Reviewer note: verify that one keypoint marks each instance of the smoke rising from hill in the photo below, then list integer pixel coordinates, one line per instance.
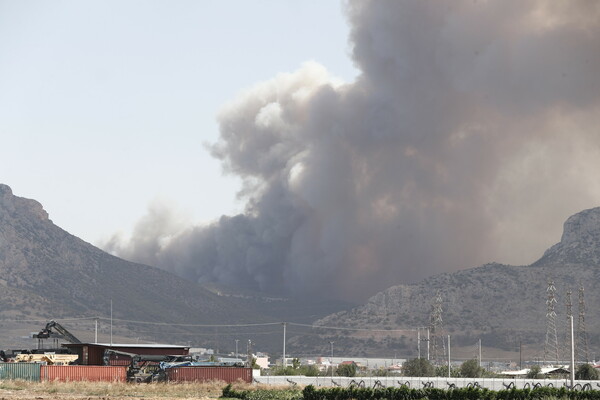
(469, 136)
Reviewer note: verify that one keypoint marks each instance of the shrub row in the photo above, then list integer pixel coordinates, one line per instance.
(405, 393)
(262, 394)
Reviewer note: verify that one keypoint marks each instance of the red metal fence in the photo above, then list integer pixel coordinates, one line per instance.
(202, 374)
(69, 373)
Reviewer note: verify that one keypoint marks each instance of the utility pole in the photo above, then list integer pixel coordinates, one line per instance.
(448, 356)
(111, 324)
(419, 342)
(216, 340)
(520, 354)
(236, 347)
(283, 363)
(249, 352)
(96, 331)
(572, 353)
(582, 339)
(569, 309)
(428, 341)
(479, 353)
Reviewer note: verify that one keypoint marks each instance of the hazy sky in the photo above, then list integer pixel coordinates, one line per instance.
(105, 106)
(375, 146)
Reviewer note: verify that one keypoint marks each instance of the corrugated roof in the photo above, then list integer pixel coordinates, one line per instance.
(134, 345)
(543, 370)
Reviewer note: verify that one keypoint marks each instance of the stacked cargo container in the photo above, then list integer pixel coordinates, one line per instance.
(69, 373)
(204, 374)
(23, 371)
(90, 373)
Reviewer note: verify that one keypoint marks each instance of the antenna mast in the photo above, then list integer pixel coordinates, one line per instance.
(551, 345)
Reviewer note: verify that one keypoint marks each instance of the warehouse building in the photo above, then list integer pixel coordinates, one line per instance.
(93, 353)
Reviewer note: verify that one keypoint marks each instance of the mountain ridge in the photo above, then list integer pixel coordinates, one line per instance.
(504, 304)
(48, 273)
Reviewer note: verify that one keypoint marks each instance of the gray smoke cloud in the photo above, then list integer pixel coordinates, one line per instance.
(469, 136)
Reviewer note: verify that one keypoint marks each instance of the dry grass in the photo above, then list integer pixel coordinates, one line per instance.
(113, 391)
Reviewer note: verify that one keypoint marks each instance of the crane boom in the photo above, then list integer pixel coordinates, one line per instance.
(53, 325)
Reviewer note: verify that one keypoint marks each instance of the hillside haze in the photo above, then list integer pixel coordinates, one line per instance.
(47, 273)
(503, 305)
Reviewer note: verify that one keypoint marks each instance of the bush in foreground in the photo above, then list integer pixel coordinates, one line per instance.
(262, 394)
(405, 393)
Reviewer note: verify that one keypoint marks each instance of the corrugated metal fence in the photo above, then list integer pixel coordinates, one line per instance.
(203, 374)
(24, 371)
(69, 373)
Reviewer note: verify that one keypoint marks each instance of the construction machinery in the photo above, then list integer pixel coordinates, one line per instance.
(49, 358)
(54, 330)
(153, 367)
(147, 367)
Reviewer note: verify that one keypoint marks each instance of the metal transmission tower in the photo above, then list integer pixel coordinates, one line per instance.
(436, 341)
(567, 338)
(551, 345)
(569, 304)
(582, 339)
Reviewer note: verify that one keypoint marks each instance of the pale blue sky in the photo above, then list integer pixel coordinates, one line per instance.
(105, 105)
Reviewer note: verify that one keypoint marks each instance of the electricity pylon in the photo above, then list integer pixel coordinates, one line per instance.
(551, 345)
(582, 339)
(437, 343)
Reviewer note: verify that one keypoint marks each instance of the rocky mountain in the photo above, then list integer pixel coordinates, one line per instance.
(501, 304)
(47, 273)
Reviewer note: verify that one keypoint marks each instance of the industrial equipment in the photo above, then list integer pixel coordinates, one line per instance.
(147, 367)
(49, 358)
(55, 330)
(153, 367)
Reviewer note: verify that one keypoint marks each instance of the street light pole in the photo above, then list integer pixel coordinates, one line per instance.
(111, 323)
(419, 342)
(283, 363)
(572, 353)
(427, 344)
(479, 353)
(448, 356)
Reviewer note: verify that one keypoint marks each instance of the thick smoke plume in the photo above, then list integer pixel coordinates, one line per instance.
(469, 136)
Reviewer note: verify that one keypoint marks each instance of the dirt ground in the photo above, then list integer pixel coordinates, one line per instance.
(108, 391)
(5, 395)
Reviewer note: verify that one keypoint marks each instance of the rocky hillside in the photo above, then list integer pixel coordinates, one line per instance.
(501, 304)
(47, 273)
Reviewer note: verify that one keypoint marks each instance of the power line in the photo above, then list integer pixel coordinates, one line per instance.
(351, 329)
(192, 325)
(48, 319)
